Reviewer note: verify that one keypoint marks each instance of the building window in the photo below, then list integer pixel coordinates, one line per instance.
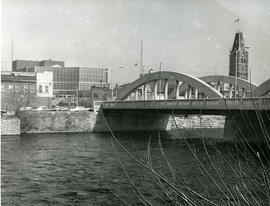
(2, 88)
(25, 88)
(40, 88)
(10, 88)
(32, 88)
(47, 89)
(17, 88)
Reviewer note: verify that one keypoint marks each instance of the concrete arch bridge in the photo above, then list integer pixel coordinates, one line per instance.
(172, 85)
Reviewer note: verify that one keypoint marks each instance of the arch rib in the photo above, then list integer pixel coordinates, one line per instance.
(242, 83)
(188, 79)
(263, 89)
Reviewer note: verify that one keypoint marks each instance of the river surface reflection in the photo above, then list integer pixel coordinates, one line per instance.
(78, 168)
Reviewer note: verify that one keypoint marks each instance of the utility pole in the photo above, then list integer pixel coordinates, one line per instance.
(12, 53)
(141, 59)
(77, 97)
(160, 80)
(112, 83)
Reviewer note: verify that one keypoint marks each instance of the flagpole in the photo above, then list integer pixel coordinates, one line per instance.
(141, 60)
(12, 53)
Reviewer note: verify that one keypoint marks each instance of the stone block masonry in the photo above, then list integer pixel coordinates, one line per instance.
(85, 121)
(57, 121)
(10, 126)
(196, 121)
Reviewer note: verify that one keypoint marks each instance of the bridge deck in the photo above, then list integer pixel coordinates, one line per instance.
(250, 104)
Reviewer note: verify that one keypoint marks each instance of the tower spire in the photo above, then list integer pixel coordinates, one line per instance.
(238, 63)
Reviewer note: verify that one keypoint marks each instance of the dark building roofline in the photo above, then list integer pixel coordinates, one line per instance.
(238, 41)
(12, 78)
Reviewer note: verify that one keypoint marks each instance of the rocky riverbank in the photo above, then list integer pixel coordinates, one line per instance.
(86, 121)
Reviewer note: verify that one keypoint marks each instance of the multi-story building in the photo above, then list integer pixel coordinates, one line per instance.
(44, 86)
(70, 80)
(20, 89)
(238, 65)
(29, 65)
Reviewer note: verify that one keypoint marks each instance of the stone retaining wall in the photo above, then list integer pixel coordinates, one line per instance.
(10, 126)
(85, 121)
(196, 121)
(57, 121)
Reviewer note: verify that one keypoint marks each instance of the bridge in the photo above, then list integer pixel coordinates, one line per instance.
(147, 103)
(172, 85)
(213, 106)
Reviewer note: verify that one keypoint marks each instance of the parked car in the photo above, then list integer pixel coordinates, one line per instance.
(25, 108)
(79, 108)
(40, 108)
(3, 112)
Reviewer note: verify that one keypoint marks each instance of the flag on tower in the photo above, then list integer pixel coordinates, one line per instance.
(237, 20)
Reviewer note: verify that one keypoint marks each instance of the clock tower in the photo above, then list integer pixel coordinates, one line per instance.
(238, 65)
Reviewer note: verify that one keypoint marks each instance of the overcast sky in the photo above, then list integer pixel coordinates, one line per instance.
(191, 36)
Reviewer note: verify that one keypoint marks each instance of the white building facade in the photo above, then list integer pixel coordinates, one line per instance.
(44, 86)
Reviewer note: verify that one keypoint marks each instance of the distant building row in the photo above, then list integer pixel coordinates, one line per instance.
(51, 80)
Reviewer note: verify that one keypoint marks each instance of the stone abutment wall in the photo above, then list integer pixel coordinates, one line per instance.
(10, 126)
(57, 121)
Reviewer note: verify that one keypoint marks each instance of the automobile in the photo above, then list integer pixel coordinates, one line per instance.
(40, 108)
(25, 108)
(79, 108)
(3, 111)
(61, 109)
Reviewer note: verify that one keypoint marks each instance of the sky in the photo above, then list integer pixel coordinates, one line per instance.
(188, 36)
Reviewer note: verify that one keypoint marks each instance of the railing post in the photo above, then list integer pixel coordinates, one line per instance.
(145, 92)
(177, 89)
(241, 103)
(189, 92)
(142, 98)
(196, 93)
(218, 86)
(166, 89)
(244, 92)
(155, 89)
(230, 91)
(136, 94)
(186, 94)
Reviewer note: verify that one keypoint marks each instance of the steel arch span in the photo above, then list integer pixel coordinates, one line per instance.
(242, 83)
(194, 82)
(263, 89)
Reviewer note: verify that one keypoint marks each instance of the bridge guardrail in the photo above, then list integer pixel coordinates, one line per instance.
(214, 103)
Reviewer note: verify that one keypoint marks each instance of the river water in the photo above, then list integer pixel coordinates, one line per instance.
(83, 168)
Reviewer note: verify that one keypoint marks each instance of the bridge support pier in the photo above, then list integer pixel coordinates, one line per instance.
(132, 120)
(252, 126)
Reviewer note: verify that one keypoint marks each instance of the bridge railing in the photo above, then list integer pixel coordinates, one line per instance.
(210, 103)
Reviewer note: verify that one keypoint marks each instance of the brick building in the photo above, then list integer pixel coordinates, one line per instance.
(29, 65)
(19, 89)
